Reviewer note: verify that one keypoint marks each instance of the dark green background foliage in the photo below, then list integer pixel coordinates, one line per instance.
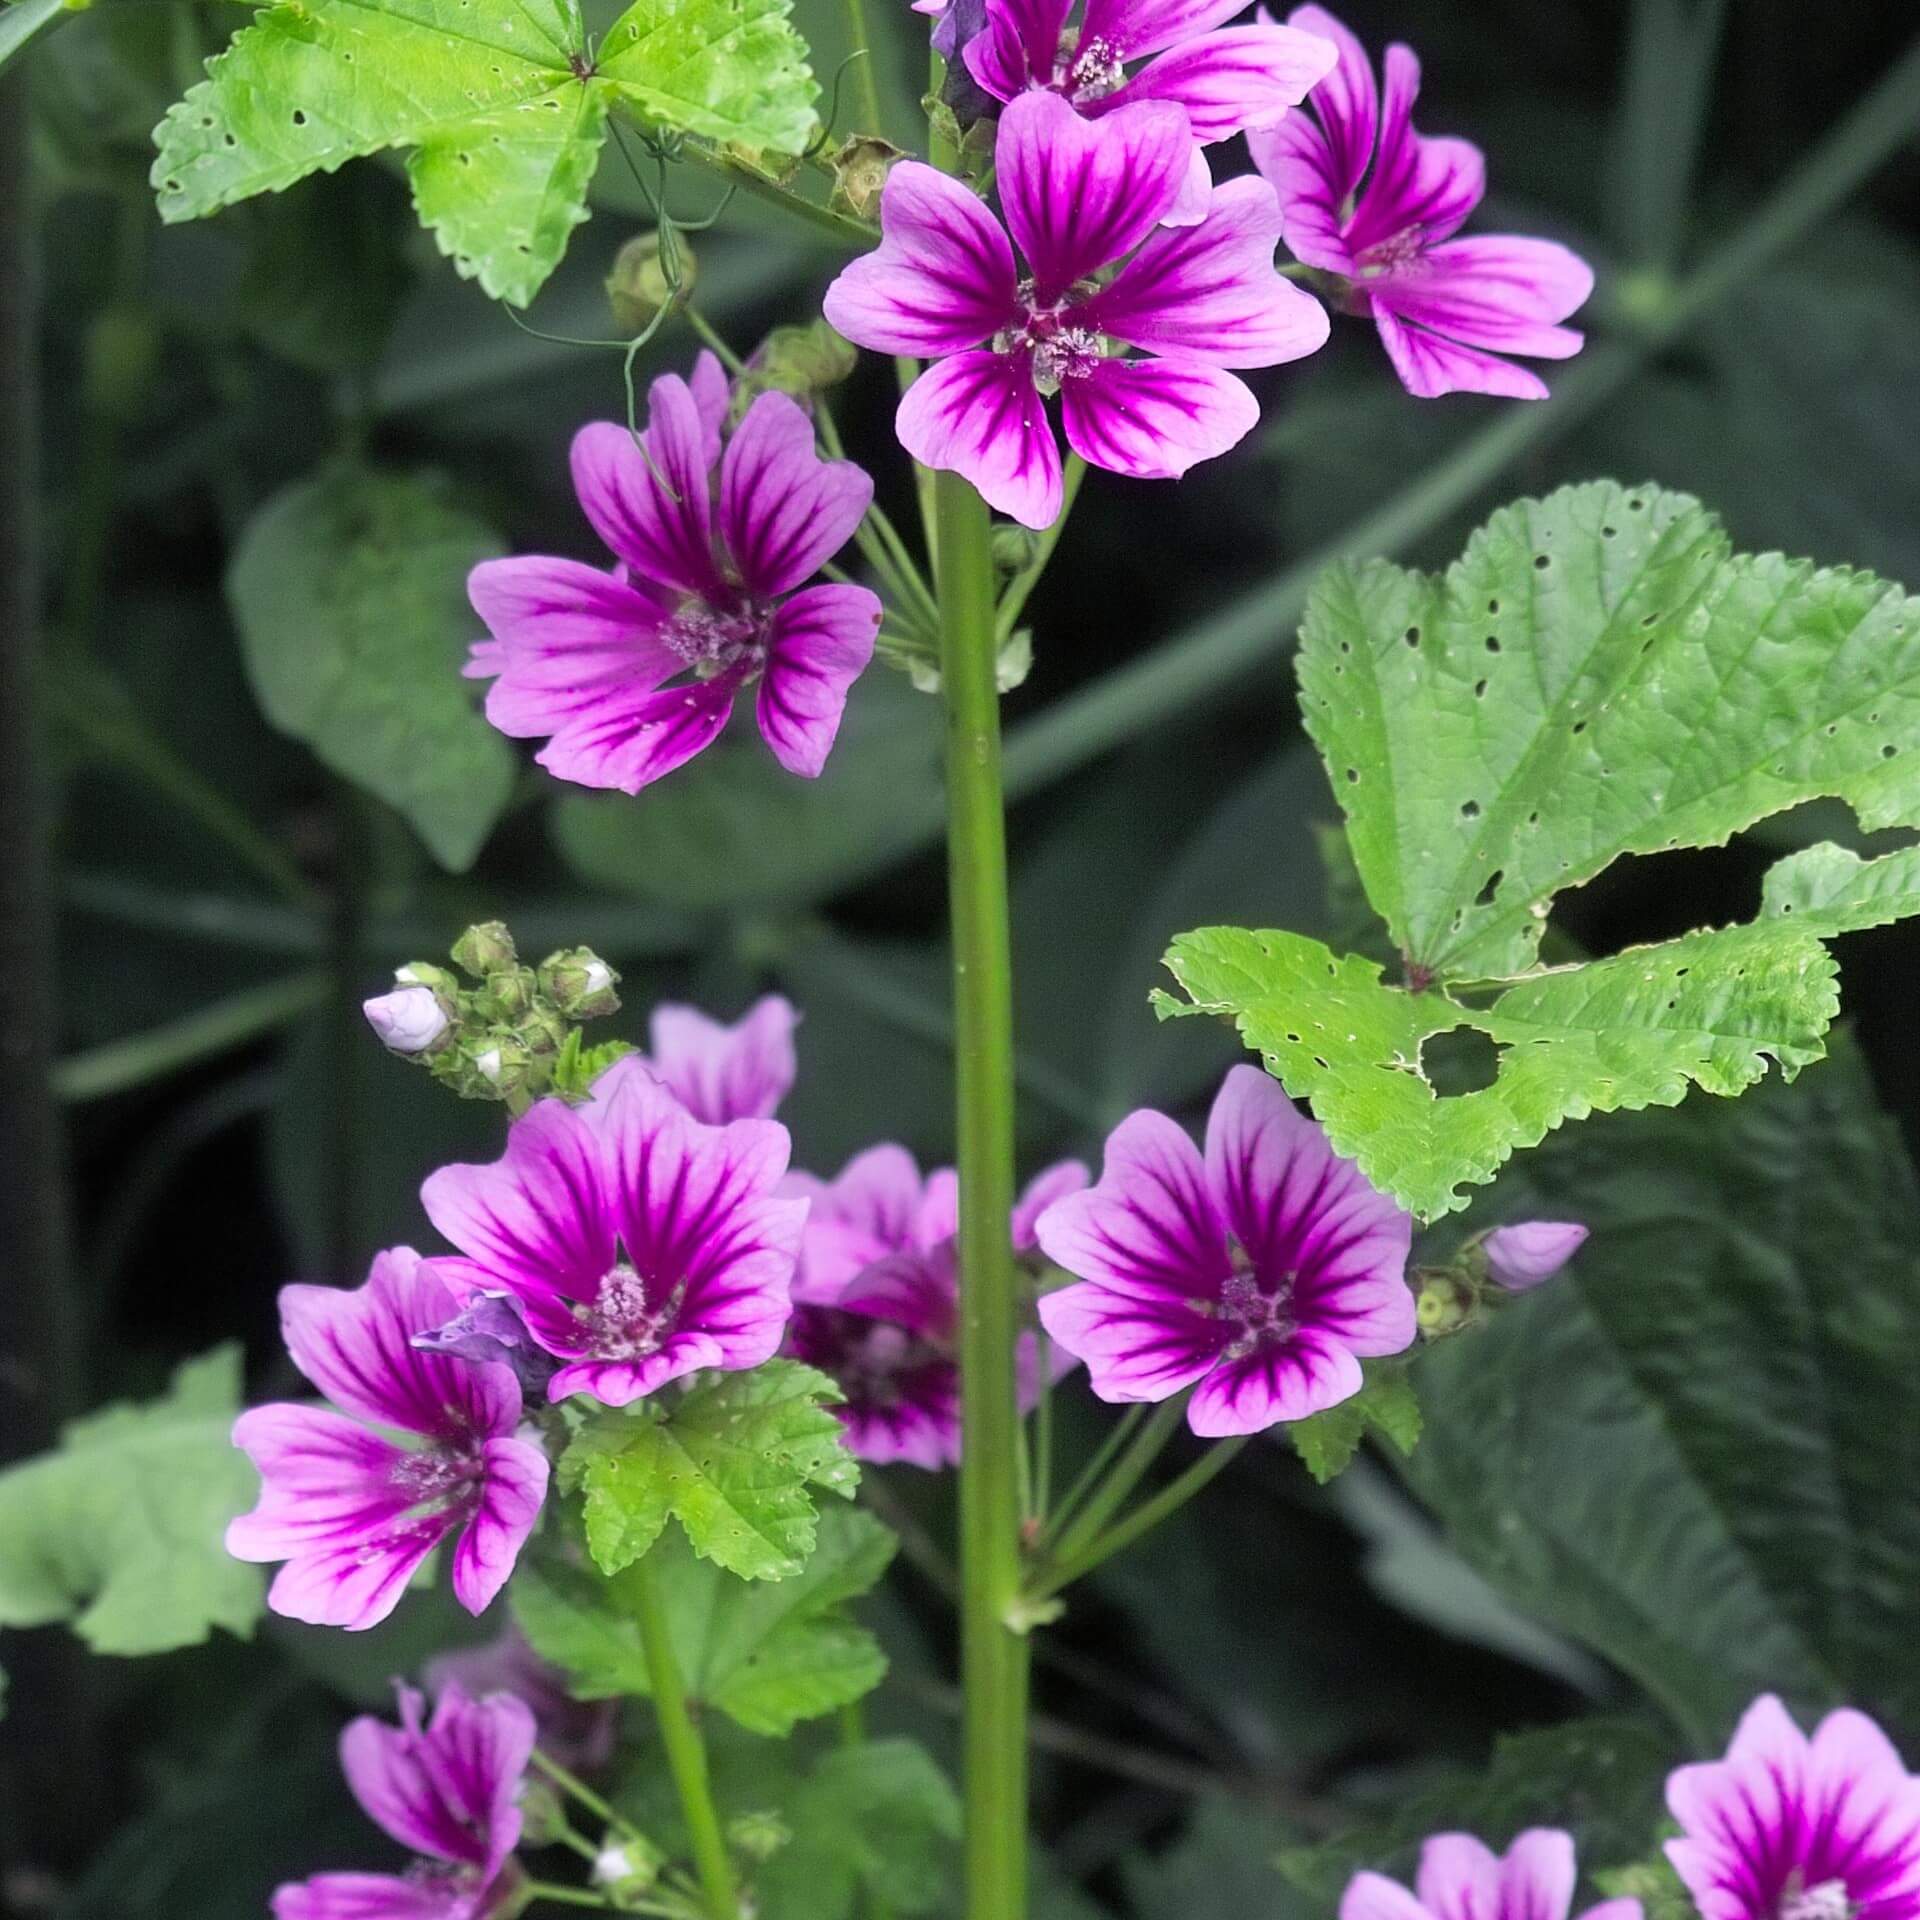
(1680, 1476)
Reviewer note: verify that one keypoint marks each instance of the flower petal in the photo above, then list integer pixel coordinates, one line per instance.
(475, 1756)
(979, 414)
(867, 1212)
(712, 394)
(1236, 79)
(1531, 1252)
(633, 738)
(1050, 1184)
(1326, 157)
(1743, 1817)
(371, 1896)
(1135, 28)
(942, 278)
(1421, 186)
(1459, 1878)
(1536, 1876)
(650, 506)
(1372, 1896)
(784, 511)
(918, 1289)
(721, 1073)
(513, 1484)
(1154, 419)
(387, 1773)
(1305, 1374)
(1079, 194)
(1495, 290)
(1136, 1346)
(1019, 46)
(1211, 290)
(1429, 364)
(820, 643)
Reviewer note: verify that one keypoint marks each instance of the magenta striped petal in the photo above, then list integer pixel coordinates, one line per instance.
(721, 1073)
(820, 643)
(1346, 104)
(1050, 1184)
(1496, 290)
(1136, 1347)
(513, 1484)
(1211, 290)
(1019, 45)
(1421, 186)
(869, 1210)
(1429, 364)
(979, 414)
(712, 395)
(383, 1896)
(1153, 419)
(1309, 1373)
(633, 738)
(1135, 28)
(1239, 78)
(1079, 194)
(942, 278)
(784, 511)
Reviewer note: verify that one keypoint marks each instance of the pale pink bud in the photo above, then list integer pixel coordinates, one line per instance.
(1524, 1256)
(407, 1020)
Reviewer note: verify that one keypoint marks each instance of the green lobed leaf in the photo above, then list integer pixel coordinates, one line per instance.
(349, 590)
(502, 104)
(121, 1529)
(1327, 1441)
(1708, 1429)
(735, 1461)
(1598, 676)
(767, 1654)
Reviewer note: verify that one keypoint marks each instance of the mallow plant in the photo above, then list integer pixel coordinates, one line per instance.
(625, 1389)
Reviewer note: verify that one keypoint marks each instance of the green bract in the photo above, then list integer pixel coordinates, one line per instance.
(735, 1462)
(1598, 676)
(502, 102)
(1327, 1441)
(121, 1530)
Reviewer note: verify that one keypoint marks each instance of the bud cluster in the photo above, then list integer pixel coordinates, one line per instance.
(499, 1039)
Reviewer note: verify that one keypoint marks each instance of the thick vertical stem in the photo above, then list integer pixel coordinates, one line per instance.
(686, 1751)
(993, 1656)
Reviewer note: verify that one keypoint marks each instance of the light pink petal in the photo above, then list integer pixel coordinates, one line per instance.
(1624, 1908)
(979, 414)
(388, 1773)
(1081, 193)
(820, 643)
(721, 1073)
(1304, 1375)
(712, 394)
(324, 1479)
(1500, 291)
(784, 511)
(1196, 192)
(1420, 186)
(918, 1289)
(1211, 290)
(939, 1216)
(651, 506)
(942, 278)
(867, 1212)
(1742, 1816)
(1136, 28)
(565, 634)
(1537, 1875)
(370, 1896)
(1372, 1896)
(1136, 1346)
(1153, 419)
(357, 1348)
(632, 739)
(1863, 1815)
(1050, 1184)
(1530, 1253)
(1019, 46)
(475, 1755)
(619, 1383)
(1346, 104)
(1429, 364)
(1236, 79)
(1292, 158)
(513, 1484)
(1459, 1878)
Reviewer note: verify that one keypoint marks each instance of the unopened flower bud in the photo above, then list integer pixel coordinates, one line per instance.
(796, 361)
(409, 1020)
(860, 170)
(1014, 547)
(491, 1330)
(1445, 1303)
(579, 983)
(1524, 1256)
(509, 992)
(758, 1835)
(423, 973)
(639, 286)
(485, 948)
(627, 1869)
(496, 1065)
(543, 1817)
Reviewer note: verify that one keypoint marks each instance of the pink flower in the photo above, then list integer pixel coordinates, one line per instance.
(1227, 79)
(1079, 195)
(879, 1300)
(641, 1244)
(1524, 1256)
(1462, 1879)
(720, 1073)
(1257, 1275)
(1787, 1828)
(631, 673)
(353, 1513)
(1366, 197)
(450, 1792)
(577, 1733)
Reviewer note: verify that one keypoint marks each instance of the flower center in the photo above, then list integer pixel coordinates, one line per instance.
(1397, 254)
(713, 643)
(1262, 1317)
(1061, 350)
(1827, 1901)
(1090, 70)
(436, 1477)
(876, 1360)
(622, 1324)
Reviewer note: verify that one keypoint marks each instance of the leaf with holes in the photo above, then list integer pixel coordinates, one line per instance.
(736, 1462)
(502, 102)
(1598, 676)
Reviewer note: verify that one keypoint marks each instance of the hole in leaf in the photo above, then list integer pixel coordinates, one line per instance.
(1541, 562)
(1462, 1061)
(1635, 505)
(1413, 636)
(1887, 752)
(1469, 809)
(1493, 606)
(1353, 776)
(1479, 689)
(1484, 898)
(1493, 643)
(1609, 533)
(1579, 726)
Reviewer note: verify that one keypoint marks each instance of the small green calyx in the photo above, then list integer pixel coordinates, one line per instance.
(1446, 1301)
(797, 361)
(759, 1836)
(860, 169)
(644, 283)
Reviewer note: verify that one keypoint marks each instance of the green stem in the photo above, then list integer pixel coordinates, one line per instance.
(533, 1891)
(851, 235)
(577, 1789)
(686, 1751)
(1088, 1477)
(993, 1657)
(860, 50)
(1013, 598)
(1142, 1520)
(1127, 1472)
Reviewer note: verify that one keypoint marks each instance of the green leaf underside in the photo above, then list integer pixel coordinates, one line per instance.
(498, 100)
(1327, 1442)
(120, 1530)
(767, 1654)
(1507, 730)
(1709, 1428)
(350, 593)
(735, 1461)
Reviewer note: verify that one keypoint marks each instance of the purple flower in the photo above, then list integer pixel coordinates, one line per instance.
(1227, 79)
(1366, 197)
(1080, 195)
(1261, 1273)
(879, 1296)
(641, 1244)
(720, 1073)
(1462, 1879)
(450, 1792)
(1787, 1828)
(1522, 1257)
(353, 1513)
(407, 1020)
(579, 1734)
(631, 673)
